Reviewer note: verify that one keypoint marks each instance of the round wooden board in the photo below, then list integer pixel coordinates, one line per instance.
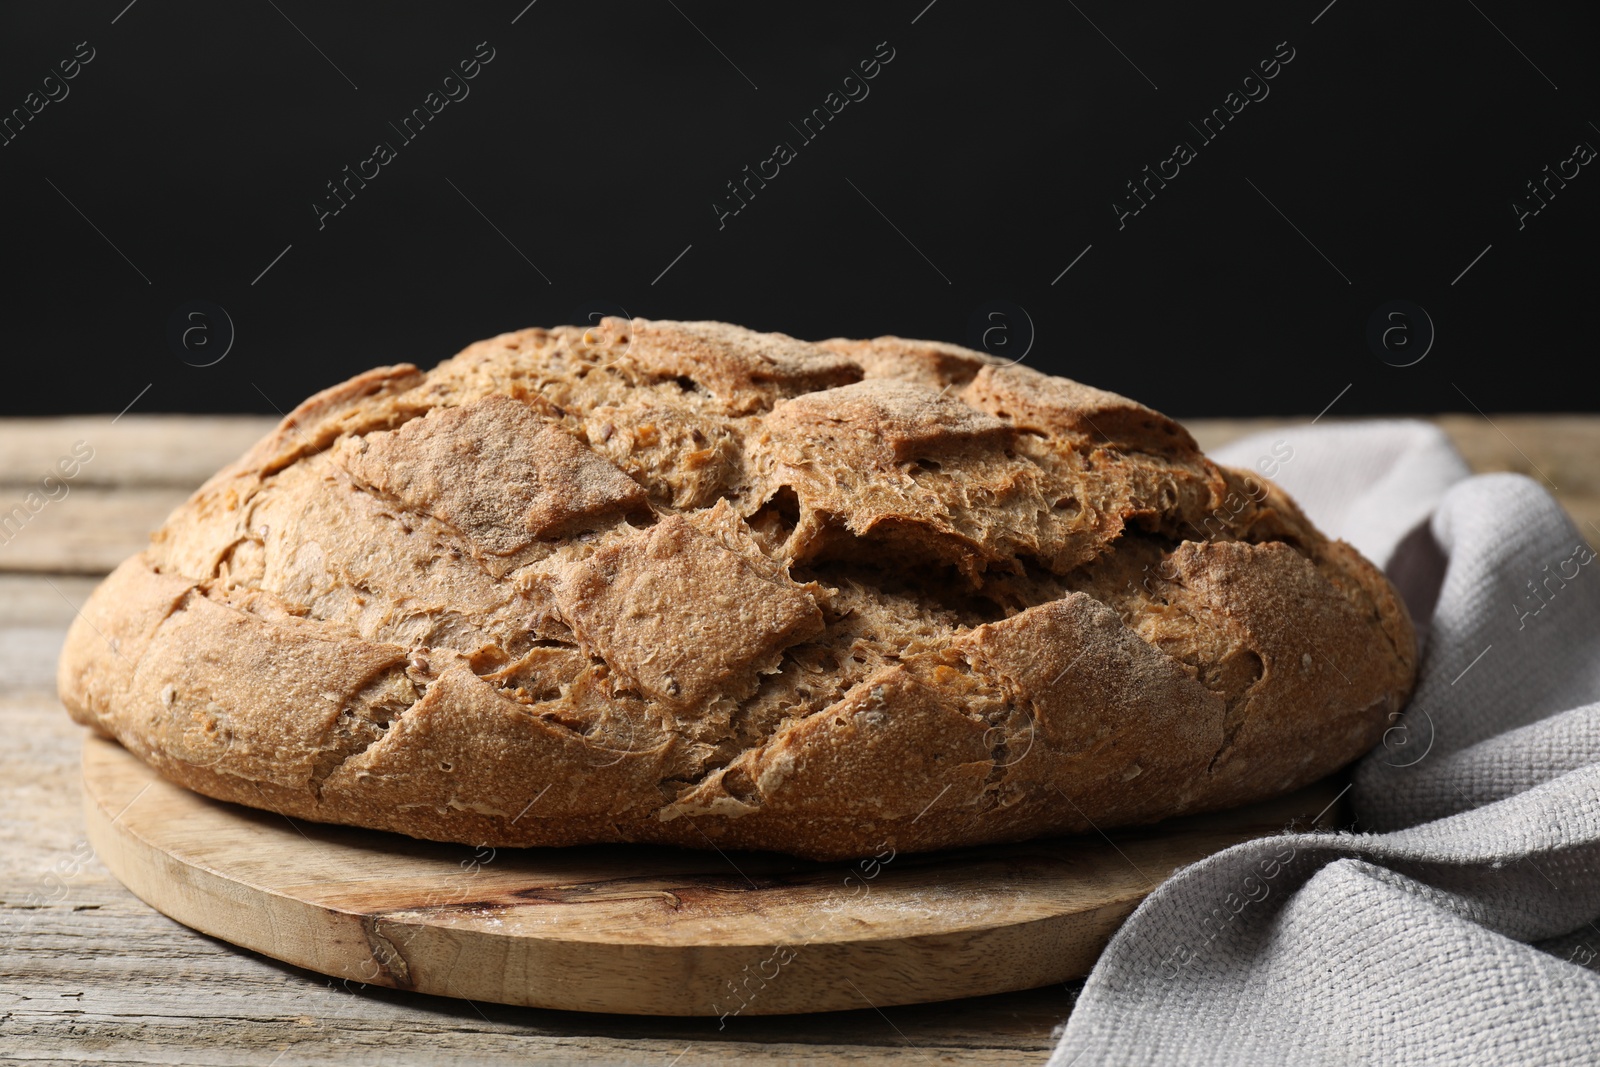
(641, 929)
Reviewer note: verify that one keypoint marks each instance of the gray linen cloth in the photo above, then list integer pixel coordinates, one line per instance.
(1462, 923)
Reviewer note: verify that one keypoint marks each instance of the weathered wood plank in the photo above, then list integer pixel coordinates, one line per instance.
(47, 600)
(28, 656)
(175, 450)
(35, 611)
(88, 531)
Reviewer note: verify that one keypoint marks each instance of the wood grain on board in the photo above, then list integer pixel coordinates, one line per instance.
(642, 930)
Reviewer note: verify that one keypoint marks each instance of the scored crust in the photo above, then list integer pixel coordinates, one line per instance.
(683, 582)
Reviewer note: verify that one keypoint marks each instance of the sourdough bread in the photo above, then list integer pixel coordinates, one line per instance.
(683, 582)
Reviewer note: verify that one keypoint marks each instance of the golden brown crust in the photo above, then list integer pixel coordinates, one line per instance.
(691, 584)
(493, 471)
(683, 620)
(1060, 406)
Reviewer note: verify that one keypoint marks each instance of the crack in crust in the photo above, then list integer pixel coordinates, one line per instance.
(689, 583)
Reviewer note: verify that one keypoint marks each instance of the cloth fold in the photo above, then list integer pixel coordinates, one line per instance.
(1462, 925)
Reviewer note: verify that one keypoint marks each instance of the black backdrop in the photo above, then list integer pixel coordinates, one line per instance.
(177, 184)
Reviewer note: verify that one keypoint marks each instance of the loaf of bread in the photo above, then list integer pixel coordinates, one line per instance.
(682, 582)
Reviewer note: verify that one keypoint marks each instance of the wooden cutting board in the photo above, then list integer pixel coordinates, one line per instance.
(642, 929)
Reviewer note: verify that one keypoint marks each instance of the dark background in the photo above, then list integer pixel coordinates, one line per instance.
(590, 151)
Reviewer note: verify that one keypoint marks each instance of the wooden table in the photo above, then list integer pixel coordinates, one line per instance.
(88, 973)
